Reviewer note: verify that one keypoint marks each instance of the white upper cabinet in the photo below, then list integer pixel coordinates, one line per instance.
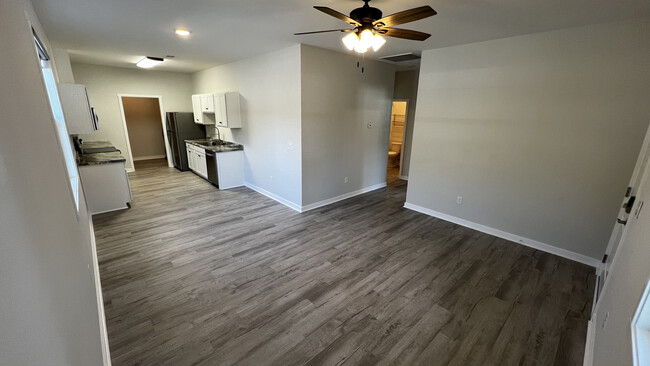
(196, 108)
(80, 117)
(207, 103)
(221, 109)
(227, 111)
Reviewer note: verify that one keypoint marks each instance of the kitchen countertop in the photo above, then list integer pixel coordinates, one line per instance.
(85, 159)
(228, 146)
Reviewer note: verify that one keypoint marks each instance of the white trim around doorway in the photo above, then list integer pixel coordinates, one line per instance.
(129, 154)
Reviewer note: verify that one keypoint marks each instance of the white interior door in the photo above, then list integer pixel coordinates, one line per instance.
(623, 215)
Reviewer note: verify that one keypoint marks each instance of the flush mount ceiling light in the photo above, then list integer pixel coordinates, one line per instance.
(149, 62)
(182, 32)
(369, 26)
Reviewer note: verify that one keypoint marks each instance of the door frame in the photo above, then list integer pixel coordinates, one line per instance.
(170, 162)
(406, 116)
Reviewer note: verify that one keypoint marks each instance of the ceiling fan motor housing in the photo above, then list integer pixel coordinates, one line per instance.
(366, 15)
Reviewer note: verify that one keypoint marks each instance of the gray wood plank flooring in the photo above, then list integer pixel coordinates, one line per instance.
(196, 276)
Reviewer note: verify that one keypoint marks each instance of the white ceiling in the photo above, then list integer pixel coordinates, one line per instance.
(120, 32)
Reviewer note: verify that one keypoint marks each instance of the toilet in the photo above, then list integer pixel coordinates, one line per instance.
(394, 150)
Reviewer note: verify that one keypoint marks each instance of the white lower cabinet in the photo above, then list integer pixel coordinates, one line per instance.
(229, 166)
(230, 169)
(196, 160)
(106, 187)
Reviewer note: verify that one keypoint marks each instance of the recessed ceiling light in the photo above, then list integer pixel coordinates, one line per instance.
(182, 32)
(149, 62)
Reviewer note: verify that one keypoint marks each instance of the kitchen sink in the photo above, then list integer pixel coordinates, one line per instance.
(216, 143)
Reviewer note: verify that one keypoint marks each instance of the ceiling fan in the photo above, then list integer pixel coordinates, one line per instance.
(369, 26)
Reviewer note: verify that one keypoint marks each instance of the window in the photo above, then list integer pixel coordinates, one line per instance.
(641, 330)
(59, 120)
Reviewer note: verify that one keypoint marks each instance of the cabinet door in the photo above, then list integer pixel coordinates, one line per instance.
(233, 110)
(202, 166)
(207, 103)
(190, 156)
(220, 112)
(196, 108)
(79, 118)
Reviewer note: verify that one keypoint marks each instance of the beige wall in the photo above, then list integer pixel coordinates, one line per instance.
(145, 127)
(406, 87)
(105, 83)
(48, 304)
(539, 133)
(269, 86)
(338, 101)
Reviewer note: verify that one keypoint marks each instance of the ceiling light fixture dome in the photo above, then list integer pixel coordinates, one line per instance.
(149, 62)
(182, 32)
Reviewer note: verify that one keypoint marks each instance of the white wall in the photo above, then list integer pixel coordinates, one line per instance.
(48, 308)
(627, 279)
(539, 133)
(338, 101)
(105, 83)
(406, 87)
(270, 104)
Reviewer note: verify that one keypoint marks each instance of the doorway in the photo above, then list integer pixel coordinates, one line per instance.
(143, 119)
(396, 140)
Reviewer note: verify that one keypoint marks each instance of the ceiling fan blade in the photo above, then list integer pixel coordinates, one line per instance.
(324, 31)
(337, 15)
(404, 33)
(406, 16)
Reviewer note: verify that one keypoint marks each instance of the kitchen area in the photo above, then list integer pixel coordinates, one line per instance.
(194, 139)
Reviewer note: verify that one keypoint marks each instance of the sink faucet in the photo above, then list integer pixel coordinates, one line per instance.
(218, 133)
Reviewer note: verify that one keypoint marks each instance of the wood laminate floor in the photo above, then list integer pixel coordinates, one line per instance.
(196, 276)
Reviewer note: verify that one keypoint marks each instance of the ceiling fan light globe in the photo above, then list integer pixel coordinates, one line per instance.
(360, 49)
(350, 41)
(366, 39)
(377, 42)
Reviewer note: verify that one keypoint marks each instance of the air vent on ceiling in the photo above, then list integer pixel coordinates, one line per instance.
(401, 57)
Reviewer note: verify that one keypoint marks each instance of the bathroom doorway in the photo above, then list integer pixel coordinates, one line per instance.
(396, 140)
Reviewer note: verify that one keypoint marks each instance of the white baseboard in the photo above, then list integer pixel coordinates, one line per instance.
(273, 196)
(404, 177)
(103, 332)
(313, 205)
(148, 157)
(342, 197)
(589, 344)
(593, 262)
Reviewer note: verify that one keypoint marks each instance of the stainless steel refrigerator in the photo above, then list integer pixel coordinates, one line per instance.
(181, 127)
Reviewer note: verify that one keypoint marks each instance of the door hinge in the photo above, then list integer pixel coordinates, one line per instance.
(605, 258)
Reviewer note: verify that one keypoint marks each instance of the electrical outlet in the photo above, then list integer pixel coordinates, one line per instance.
(371, 125)
(346, 179)
(289, 145)
(459, 200)
(271, 178)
